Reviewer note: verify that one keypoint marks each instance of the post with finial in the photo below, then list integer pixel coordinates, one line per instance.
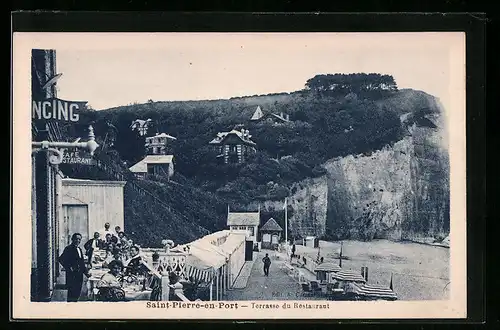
(165, 287)
(91, 144)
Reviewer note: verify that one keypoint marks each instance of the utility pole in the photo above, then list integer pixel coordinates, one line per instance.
(286, 221)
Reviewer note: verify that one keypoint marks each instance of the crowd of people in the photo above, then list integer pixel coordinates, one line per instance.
(121, 256)
(115, 243)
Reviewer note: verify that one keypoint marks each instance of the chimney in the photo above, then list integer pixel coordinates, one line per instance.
(287, 117)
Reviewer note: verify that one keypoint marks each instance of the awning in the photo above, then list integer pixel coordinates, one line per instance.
(198, 274)
(233, 242)
(348, 276)
(376, 291)
(328, 267)
(208, 254)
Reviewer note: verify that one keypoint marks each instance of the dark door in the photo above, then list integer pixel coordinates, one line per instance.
(248, 250)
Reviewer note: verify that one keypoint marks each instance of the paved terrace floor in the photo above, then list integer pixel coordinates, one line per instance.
(277, 286)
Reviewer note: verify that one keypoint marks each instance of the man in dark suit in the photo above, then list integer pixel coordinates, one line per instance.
(91, 245)
(74, 264)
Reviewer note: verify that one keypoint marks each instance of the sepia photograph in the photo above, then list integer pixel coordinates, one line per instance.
(272, 174)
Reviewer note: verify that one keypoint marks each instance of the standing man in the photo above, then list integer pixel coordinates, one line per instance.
(267, 263)
(105, 231)
(74, 265)
(91, 245)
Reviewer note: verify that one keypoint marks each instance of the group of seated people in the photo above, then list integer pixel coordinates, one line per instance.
(116, 245)
(132, 270)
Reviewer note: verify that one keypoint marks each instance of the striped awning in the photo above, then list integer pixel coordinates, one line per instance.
(328, 267)
(376, 291)
(199, 274)
(348, 276)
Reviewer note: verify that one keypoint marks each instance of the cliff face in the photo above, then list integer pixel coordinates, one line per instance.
(307, 208)
(400, 192)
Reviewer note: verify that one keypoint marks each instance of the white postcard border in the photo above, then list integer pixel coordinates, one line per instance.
(455, 307)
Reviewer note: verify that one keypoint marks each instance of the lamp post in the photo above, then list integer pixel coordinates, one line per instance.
(46, 220)
(57, 156)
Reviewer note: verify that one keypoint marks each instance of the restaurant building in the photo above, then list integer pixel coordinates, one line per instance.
(45, 185)
(48, 151)
(87, 205)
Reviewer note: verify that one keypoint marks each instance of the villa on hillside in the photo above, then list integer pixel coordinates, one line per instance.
(234, 146)
(157, 162)
(259, 116)
(157, 165)
(159, 144)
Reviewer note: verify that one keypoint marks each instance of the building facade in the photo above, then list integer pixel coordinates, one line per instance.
(233, 147)
(271, 234)
(160, 144)
(247, 222)
(87, 205)
(273, 118)
(46, 183)
(154, 166)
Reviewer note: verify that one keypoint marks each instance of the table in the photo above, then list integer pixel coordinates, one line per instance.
(133, 292)
(95, 276)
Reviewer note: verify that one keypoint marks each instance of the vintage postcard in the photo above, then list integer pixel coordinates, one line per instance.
(239, 176)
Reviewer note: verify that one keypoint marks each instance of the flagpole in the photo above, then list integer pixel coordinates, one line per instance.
(340, 258)
(286, 222)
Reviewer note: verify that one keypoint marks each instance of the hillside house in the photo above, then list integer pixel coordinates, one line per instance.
(159, 144)
(273, 118)
(141, 126)
(247, 222)
(154, 165)
(234, 146)
(257, 114)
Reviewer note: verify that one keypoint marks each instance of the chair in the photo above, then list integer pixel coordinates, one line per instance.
(315, 287)
(110, 294)
(306, 289)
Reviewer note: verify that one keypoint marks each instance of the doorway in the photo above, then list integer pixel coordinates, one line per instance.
(76, 220)
(248, 250)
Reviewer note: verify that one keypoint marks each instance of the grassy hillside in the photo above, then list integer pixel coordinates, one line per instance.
(334, 116)
(155, 210)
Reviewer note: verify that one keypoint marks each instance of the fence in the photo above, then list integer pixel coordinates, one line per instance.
(294, 273)
(310, 264)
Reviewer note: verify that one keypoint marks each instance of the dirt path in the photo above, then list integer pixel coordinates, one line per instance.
(277, 286)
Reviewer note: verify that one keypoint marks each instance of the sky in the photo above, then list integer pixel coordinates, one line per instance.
(113, 70)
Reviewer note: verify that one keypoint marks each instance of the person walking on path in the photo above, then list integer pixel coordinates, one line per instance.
(74, 265)
(267, 263)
